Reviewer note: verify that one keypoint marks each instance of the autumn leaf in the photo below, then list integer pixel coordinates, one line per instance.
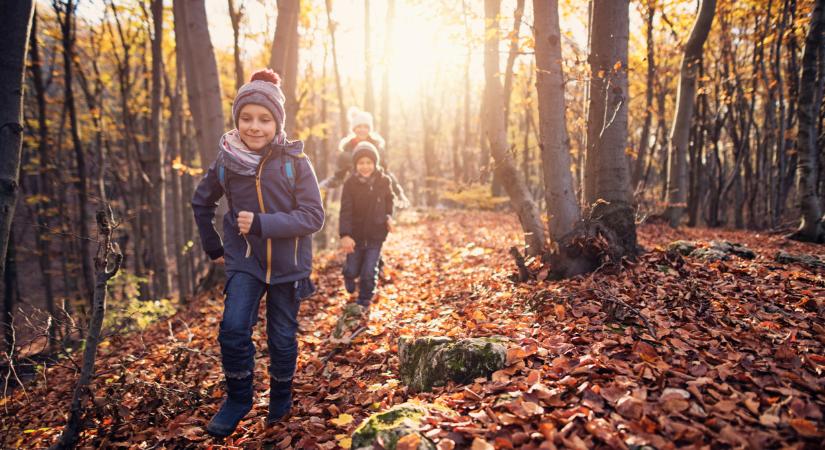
(805, 428)
(342, 420)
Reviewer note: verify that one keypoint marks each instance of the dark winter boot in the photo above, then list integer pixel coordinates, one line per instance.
(280, 400)
(237, 403)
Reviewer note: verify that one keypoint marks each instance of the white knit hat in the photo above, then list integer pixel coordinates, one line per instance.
(358, 117)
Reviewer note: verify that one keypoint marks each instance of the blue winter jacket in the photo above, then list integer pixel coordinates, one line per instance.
(288, 214)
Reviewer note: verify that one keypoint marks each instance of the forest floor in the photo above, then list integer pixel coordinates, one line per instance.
(722, 354)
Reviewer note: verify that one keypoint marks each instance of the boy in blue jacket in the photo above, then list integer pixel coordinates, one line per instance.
(365, 220)
(274, 208)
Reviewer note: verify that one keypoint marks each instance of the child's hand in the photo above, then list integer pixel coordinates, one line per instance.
(219, 260)
(390, 224)
(245, 219)
(347, 245)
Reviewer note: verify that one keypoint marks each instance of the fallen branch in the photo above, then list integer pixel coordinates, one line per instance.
(107, 263)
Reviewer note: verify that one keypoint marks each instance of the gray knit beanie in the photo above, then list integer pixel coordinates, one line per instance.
(263, 89)
(365, 148)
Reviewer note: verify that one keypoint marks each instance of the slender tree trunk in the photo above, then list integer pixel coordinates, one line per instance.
(559, 193)
(18, 18)
(81, 183)
(468, 166)
(43, 182)
(512, 180)
(639, 167)
(157, 160)
(812, 224)
(342, 110)
(203, 86)
(284, 56)
(235, 16)
(10, 288)
(685, 99)
(385, 82)
(511, 59)
(369, 95)
(431, 159)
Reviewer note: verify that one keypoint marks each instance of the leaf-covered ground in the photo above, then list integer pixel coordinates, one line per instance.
(670, 351)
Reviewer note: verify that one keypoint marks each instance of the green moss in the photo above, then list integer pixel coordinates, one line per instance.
(433, 361)
(390, 426)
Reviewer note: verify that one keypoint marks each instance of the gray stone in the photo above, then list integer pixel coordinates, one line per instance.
(682, 247)
(717, 250)
(433, 361)
(810, 261)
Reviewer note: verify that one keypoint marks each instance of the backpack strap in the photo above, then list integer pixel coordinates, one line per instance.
(222, 179)
(289, 169)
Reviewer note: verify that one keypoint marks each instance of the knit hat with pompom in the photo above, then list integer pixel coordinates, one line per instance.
(264, 88)
(357, 117)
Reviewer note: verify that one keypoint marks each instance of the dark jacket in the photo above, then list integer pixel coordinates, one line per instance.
(286, 216)
(366, 208)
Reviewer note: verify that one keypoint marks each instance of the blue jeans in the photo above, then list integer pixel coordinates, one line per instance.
(240, 313)
(363, 264)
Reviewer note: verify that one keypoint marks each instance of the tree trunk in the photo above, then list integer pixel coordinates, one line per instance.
(385, 82)
(10, 289)
(284, 56)
(44, 180)
(607, 178)
(812, 224)
(203, 86)
(18, 18)
(685, 98)
(81, 184)
(342, 110)
(235, 16)
(511, 59)
(369, 95)
(639, 167)
(157, 163)
(559, 193)
(496, 134)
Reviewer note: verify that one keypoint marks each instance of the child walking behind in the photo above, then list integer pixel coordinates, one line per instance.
(274, 207)
(365, 220)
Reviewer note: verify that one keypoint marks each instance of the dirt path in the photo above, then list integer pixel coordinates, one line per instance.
(735, 359)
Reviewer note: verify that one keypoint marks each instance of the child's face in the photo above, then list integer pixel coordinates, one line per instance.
(361, 131)
(256, 126)
(365, 166)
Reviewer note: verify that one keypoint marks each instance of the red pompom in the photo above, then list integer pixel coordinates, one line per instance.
(266, 75)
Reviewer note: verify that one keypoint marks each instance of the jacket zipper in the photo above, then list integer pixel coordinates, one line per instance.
(296, 252)
(263, 211)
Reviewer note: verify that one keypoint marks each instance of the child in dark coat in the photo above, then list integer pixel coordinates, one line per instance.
(274, 208)
(365, 220)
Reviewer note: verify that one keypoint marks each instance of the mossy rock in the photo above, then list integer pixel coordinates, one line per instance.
(433, 361)
(684, 248)
(809, 261)
(387, 427)
(733, 248)
(349, 321)
(715, 250)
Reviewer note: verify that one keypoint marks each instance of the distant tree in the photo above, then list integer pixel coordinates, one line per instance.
(496, 135)
(812, 223)
(677, 177)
